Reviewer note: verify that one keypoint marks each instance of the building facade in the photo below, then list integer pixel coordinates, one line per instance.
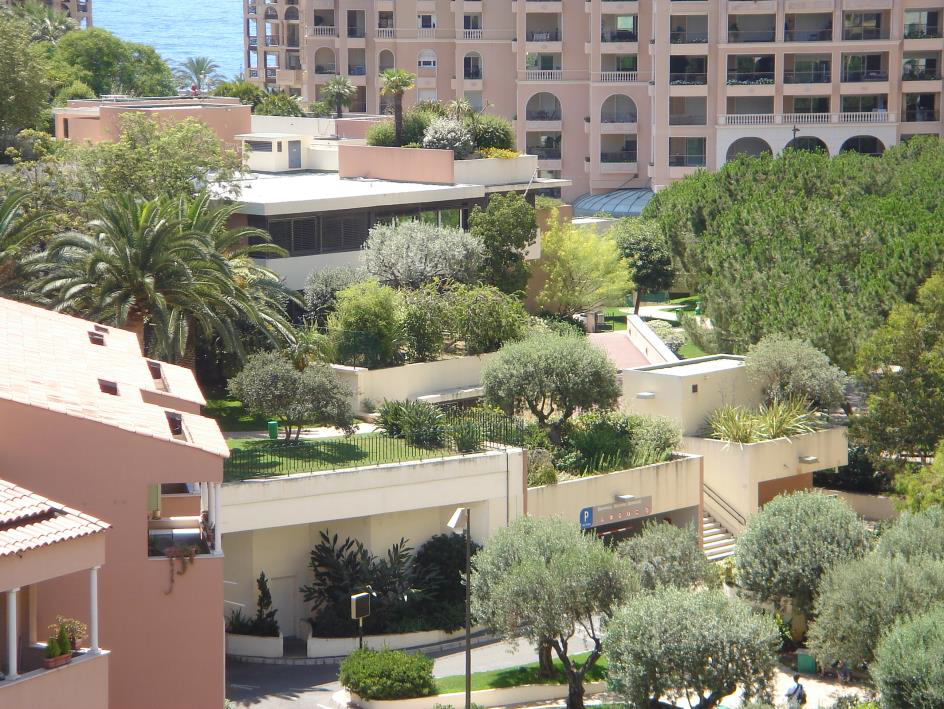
(78, 10)
(621, 93)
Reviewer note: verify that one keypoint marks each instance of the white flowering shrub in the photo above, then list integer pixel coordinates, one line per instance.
(449, 134)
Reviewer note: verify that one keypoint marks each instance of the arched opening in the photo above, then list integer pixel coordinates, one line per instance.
(291, 13)
(808, 143)
(865, 144)
(748, 146)
(385, 61)
(543, 107)
(472, 66)
(271, 14)
(426, 59)
(618, 108)
(324, 61)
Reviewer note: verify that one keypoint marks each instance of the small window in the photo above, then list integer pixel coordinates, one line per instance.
(96, 338)
(176, 423)
(108, 387)
(259, 146)
(694, 388)
(279, 144)
(102, 329)
(155, 369)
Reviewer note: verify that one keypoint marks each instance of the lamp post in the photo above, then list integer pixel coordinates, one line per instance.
(462, 520)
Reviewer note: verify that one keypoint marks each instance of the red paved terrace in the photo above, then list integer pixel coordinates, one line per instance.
(618, 347)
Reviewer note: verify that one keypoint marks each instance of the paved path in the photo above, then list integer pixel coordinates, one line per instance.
(318, 432)
(620, 349)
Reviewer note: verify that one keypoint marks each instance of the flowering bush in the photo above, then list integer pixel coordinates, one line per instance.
(449, 134)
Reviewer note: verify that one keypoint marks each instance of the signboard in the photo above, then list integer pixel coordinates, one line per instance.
(360, 605)
(601, 515)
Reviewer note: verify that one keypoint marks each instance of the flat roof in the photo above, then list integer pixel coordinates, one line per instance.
(269, 136)
(306, 191)
(696, 365)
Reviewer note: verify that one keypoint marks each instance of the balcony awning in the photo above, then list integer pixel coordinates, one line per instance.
(618, 203)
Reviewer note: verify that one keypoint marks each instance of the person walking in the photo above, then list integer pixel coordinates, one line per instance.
(796, 695)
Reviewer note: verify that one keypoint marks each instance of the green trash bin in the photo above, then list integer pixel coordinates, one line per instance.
(273, 427)
(806, 664)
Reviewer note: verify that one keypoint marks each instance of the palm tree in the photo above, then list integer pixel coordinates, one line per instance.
(201, 72)
(394, 82)
(46, 23)
(19, 230)
(339, 92)
(459, 108)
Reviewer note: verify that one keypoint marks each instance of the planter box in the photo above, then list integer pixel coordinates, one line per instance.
(506, 696)
(339, 647)
(253, 645)
(495, 171)
(50, 663)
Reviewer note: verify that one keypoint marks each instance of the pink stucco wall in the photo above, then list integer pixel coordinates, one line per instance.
(167, 648)
(406, 165)
(82, 684)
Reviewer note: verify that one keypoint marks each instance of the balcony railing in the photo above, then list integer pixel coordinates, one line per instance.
(543, 74)
(324, 31)
(617, 77)
(545, 153)
(687, 119)
(626, 117)
(917, 30)
(920, 75)
(858, 75)
(619, 36)
(618, 156)
(687, 160)
(749, 119)
(426, 33)
(470, 34)
(807, 76)
(543, 35)
(678, 37)
(864, 117)
(767, 119)
(386, 33)
(679, 78)
(326, 69)
(806, 119)
(542, 115)
(272, 40)
(739, 36)
(253, 73)
(356, 32)
(741, 78)
(356, 70)
(823, 35)
(860, 34)
(472, 74)
(918, 115)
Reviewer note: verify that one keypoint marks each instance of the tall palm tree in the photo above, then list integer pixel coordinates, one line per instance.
(394, 82)
(46, 23)
(20, 229)
(201, 72)
(339, 92)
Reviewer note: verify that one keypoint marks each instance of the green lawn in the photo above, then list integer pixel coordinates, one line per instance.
(261, 458)
(615, 318)
(690, 349)
(516, 676)
(232, 415)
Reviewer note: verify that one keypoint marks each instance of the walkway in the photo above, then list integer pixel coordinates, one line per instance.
(619, 348)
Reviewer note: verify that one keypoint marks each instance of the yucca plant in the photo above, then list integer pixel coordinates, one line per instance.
(783, 418)
(735, 424)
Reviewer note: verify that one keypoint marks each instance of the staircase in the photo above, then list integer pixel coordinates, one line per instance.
(718, 542)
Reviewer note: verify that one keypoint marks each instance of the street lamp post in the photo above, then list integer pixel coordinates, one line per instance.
(462, 520)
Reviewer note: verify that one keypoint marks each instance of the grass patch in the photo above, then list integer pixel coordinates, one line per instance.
(517, 676)
(253, 458)
(690, 349)
(231, 415)
(689, 301)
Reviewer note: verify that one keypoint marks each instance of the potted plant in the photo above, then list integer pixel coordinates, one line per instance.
(55, 656)
(75, 630)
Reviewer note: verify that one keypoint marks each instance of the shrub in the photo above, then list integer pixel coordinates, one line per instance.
(320, 109)
(908, 668)
(431, 108)
(52, 647)
(365, 328)
(425, 313)
(666, 555)
(389, 414)
(65, 645)
(415, 123)
(915, 534)
(484, 318)
(466, 437)
(279, 104)
(778, 419)
(422, 424)
(500, 153)
(704, 338)
(673, 337)
(387, 674)
(792, 541)
(322, 288)
(264, 623)
(861, 599)
(382, 134)
(449, 134)
(442, 559)
(789, 368)
(655, 436)
(492, 132)
(541, 471)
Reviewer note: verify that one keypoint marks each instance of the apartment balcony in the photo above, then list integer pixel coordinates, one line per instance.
(620, 156)
(326, 69)
(859, 75)
(542, 35)
(748, 36)
(688, 119)
(545, 153)
(323, 31)
(770, 119)
(83, 683)
(922, 31)
(617, 161)
(688, 78)
(290, 77)
(271, 73)
(385, 33)
(253, 41)
(750, 78)
(272, 40)
(542, 116)
(864, 34)
(618, 77)
(687, 160)
(356, 33)
(469, 35)
(823, 35)
(921, 115)
(921, 75)
(619, 36)
(253, 73)
(807, 76)
(689, 37)
(543, 74)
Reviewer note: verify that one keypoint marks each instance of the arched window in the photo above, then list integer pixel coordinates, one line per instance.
(271, 14)
(472, 66)
(324, 61)
(386, 61)
(748, 146)
(426, 59)
(291, 13)
(618, 108)
(865, 144)
(543, 107)
(809, 143)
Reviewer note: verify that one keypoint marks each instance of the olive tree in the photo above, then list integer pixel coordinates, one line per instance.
(700, 646)
(915, 534)
(552, 376)
(322, 288)
(411, 253)
(861, 599)
(269, 385)
(788, 545)
(666, 555)
(908, 670)
(542, 579)
(786, 367)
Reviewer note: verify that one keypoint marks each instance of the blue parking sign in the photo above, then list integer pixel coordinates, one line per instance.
(586, 518)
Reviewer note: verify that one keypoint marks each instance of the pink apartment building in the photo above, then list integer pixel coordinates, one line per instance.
(89, 422)
(78, 10)
(622, 93)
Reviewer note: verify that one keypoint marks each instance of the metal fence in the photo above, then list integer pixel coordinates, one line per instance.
(460, 431)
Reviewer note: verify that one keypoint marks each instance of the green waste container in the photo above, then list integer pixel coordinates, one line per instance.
(273, 427)
(806, 664)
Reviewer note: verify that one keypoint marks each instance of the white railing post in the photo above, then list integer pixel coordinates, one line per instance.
(217, 534)
(93, 610)
(11, 634)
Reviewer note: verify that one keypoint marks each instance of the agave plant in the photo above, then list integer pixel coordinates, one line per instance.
(783, 418)
(735, 424)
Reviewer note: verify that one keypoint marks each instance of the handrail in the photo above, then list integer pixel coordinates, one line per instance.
(724, 505)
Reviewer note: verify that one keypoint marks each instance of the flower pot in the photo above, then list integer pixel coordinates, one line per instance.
(52, 662)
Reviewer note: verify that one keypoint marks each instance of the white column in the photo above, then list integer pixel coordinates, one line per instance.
(93, 610)
(11, 633)
(217, 535)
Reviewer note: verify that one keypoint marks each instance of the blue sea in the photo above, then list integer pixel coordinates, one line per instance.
(179, 28)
